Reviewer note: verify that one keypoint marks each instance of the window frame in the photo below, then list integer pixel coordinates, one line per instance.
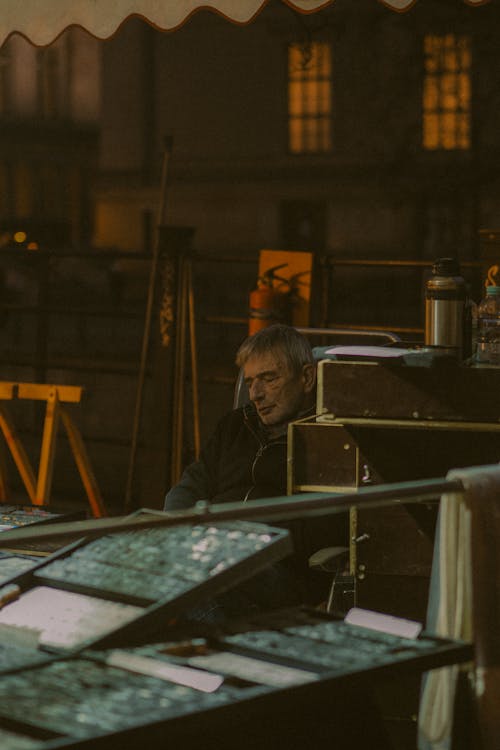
(314, 120)
(454, 139)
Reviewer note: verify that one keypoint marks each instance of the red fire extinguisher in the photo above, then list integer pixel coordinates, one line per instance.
(268, 304)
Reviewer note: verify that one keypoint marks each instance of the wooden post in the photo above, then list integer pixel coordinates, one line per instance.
(168, 342)
(47, 452)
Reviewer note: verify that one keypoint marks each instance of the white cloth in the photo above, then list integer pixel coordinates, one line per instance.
(450, 599)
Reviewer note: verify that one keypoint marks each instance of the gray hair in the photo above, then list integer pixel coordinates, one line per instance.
(285, 340)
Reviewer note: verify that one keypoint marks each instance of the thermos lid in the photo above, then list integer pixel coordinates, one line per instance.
(446, 267)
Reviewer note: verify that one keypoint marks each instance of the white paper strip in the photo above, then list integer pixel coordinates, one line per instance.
(383, 623)
(195, 678)
(254, 670)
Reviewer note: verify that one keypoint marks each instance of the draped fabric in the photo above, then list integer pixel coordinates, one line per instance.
(464, 605)
(41, 21)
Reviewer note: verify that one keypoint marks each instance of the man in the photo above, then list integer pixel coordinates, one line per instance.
(246, 456)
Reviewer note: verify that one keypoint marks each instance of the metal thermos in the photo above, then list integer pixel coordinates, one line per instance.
(445, 308)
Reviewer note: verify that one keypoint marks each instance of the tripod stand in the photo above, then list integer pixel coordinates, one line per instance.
(170, 281)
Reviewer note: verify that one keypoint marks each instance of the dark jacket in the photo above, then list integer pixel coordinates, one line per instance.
(238, 463)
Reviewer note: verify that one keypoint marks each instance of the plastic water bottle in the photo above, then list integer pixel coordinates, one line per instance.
(488, 335)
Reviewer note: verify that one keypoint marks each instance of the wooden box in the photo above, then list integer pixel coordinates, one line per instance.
(376, 390)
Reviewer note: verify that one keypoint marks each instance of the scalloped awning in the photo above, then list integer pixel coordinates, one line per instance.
(41, 21)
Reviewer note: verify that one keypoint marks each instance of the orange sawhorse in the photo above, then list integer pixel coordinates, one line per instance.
(39, 487)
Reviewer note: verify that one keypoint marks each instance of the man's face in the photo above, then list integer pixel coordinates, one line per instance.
(278, 394)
